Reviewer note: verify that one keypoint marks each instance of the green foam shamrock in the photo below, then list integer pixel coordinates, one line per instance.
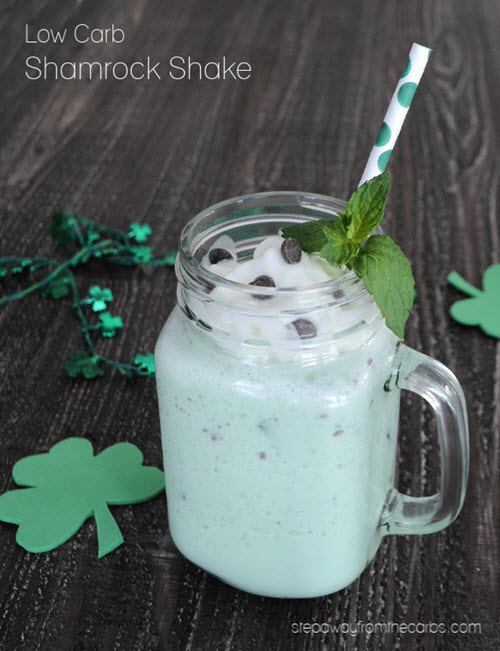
(68, 485)
(84, 365)
(483, 307)
(145, 363)
(139, 232)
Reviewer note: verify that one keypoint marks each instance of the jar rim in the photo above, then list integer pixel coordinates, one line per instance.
(189, 243)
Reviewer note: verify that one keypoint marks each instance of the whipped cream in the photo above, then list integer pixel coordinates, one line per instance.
(281, 317)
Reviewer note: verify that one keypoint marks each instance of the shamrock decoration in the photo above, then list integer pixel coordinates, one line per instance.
(142, 254)
(24, 263)
(145, 364)
(92, 236)
(98, 298)
(483, 307)
(139, 232)
(84, 365)
(69, 484)
(87, 240)
(62, 229)
(110, 324)
(58, 287)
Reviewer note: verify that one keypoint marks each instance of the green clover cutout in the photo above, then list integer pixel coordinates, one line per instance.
(483, 307)
(139, 232)
(68, 485)
(99, 297)
(145, 364)
(84, 365)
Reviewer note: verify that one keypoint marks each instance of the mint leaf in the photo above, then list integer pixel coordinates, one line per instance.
(379, 262)
(338, 249)
(363, 213)
(309, 235)
(386, 273)
(365, 208)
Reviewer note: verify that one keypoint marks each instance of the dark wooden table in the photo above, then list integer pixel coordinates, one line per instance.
(159, 151)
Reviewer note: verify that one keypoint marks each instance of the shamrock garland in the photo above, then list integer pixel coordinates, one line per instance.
(69, 484)
(90, 240)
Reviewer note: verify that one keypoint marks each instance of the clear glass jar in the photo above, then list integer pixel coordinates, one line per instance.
(280, 453)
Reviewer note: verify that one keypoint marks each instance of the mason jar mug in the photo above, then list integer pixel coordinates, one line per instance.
(280, 451)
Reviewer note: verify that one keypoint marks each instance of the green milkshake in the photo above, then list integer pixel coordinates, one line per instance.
(278, 482)
(279, 386)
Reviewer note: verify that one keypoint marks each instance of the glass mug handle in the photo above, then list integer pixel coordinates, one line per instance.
(435, 383)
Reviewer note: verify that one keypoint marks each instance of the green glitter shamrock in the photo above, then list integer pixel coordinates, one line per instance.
(92, 236)
(145, 363)
(110, 324)
(139, 232)
(483, 308)
(69, 484)
(58, 287)
(142, 254)
(3, 272)
(83, 365)
(62, 229)
(22, 265)
(98, 298)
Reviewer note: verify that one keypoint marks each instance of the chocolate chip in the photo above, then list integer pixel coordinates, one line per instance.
(217, 255)
(263, 281)
(305, 329)
(291, 251)
(338, 294)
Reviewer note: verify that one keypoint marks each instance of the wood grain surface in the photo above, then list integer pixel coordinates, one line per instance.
(159, 151)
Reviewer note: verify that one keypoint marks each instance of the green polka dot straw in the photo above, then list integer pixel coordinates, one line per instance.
(396, 113)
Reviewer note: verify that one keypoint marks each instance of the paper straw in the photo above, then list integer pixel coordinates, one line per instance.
(396, 113)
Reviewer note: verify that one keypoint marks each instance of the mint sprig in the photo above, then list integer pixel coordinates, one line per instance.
(376, 259)
(386, 274)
